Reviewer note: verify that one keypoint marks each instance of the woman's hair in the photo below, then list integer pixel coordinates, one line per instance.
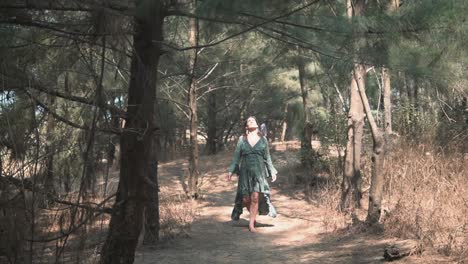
(245, 126)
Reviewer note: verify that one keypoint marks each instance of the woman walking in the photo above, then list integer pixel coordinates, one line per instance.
(252, 162)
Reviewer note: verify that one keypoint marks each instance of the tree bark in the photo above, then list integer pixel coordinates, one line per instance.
(192, 102)
(351, 187)
(351, 192)
(386, 89)
(152, 225)
(380, 138)
(387, 103)
(377, 179)
(137, 138)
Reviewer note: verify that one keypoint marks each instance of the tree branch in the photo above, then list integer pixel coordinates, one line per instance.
(26, 184)
(68, 122)
(64, 5)
(115, 110)
(250, 28)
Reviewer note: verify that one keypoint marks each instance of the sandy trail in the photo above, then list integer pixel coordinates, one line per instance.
(295, 236)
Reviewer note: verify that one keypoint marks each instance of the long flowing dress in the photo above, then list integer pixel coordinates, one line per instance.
(253, 165)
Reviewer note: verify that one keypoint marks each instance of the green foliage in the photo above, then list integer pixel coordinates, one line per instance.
(452, 131)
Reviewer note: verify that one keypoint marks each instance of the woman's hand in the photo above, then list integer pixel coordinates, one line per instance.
(229, 176)
(273, 178)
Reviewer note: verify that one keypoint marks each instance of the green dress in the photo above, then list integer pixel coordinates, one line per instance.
(254, 166)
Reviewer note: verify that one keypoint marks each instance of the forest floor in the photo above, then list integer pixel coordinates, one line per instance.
(296, 235)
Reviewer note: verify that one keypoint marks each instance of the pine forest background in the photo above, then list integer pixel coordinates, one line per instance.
(96, 93)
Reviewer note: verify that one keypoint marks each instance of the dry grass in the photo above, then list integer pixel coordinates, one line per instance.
(332, 219)
(425, 199)
(176, 216)
(426, 194)
(320, 188)
(176, 213)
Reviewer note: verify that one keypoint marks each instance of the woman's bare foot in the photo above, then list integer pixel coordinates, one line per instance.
(253, 229)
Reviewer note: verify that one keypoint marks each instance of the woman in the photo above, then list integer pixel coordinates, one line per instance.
(252, 162)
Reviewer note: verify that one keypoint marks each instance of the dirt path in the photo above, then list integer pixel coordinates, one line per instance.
(295, 236)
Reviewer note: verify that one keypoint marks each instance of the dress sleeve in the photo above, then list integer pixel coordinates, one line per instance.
(234, 167)
(268, 162)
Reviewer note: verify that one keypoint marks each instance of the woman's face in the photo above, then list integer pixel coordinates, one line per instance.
(251, 123)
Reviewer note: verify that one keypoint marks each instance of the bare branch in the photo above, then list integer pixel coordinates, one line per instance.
(66, 5)
(207, 74)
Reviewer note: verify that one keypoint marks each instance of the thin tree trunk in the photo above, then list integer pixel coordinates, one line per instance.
(113, 139)
(50, 150)
(380, 138)
(408, 105)
(351, 192)
(351, 187)
(285, 123)
(89, 156)
(212, 131)
(308, 155)
(412, 92)
(192, 102)
(386, 89)
(386, 92)
(307, 133)
(137, 138)
(377, 179)
(416, 98)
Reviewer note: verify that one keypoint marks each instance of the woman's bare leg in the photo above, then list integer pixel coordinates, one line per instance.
(246, 202)
(253, 210)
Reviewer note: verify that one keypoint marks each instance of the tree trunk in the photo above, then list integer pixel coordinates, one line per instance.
(386, 89)
(192, 102)
(211, 142)
(285, 124)
(413, 101)
(50, 150)
(89, 174)
(408, 104)
(137, 137)
(377, 179)
(113, 139)
(351, 187)
(306, 143)
(308, 155)
(152, 225)
(379, 140)
(387, 104)
(416, 103)
(351, 192)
